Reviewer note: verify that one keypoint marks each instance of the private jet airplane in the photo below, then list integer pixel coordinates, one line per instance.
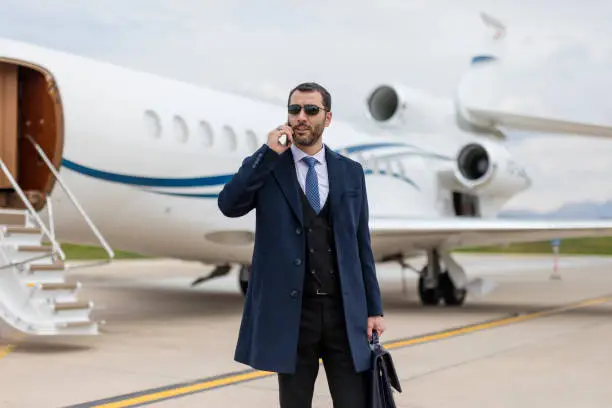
(95, 153)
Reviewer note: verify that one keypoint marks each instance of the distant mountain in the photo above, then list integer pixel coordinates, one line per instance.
(522, 214)
(580, 210)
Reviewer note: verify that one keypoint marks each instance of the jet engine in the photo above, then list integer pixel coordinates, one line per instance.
(385, 103)
(396, 106)
(487, 168)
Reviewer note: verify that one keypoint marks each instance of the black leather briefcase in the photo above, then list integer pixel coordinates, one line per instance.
(383, 377)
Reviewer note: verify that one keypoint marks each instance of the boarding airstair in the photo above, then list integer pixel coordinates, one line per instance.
(36, 298)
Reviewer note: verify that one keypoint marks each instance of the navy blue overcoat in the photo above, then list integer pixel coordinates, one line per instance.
(266, 181)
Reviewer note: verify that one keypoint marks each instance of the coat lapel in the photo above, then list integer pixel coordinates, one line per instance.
(336, 175)
(285, 174)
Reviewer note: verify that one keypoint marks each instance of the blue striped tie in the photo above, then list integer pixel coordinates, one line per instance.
(312, 185)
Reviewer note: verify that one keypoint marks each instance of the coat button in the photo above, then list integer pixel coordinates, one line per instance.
(298, 231)
(297, 262)
(294, 293)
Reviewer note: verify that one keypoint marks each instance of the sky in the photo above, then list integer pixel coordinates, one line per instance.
(558, 54)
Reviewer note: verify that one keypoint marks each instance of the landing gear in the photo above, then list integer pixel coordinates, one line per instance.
(223, 270)
(436, 285)
(243, 278)
(220, 270)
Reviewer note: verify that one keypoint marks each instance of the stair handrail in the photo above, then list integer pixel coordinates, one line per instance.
(50, 212)
(31, 210)
(42, 154)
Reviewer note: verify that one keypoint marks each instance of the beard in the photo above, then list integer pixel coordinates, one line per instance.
(304, 135)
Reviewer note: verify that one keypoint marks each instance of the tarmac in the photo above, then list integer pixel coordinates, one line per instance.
(533, 341)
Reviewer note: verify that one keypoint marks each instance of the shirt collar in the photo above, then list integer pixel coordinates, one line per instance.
(299, 154)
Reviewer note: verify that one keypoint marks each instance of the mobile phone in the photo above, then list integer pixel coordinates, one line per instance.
(284, 139)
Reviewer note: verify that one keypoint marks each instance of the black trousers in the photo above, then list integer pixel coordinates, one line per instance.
(323, 334)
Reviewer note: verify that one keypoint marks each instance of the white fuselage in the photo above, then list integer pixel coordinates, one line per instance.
(146, 157)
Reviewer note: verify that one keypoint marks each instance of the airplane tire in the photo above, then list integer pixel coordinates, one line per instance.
(244, 285)
(451, 295)
(429, 297)
(243, 278)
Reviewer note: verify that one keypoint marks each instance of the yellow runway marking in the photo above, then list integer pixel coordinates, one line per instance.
(177, 390)
(495, 323)
(5, 350)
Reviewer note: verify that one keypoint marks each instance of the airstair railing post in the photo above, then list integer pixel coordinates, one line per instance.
(95, 230)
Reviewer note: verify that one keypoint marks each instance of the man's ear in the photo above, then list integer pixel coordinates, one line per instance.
(328, 118)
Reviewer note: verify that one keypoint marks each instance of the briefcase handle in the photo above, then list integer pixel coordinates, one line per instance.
(375, 340)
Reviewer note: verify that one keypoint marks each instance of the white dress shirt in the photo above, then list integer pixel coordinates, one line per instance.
(301, 168)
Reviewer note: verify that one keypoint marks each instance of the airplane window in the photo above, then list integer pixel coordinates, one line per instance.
(205, 133)
(252, 141)
(180, 129)
(152, 124)
(230, 135)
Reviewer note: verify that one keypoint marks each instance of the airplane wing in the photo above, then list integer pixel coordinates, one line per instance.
(394, 234)
(538, 124)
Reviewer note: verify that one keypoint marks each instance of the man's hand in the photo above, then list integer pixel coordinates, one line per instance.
(275, 134)
(376, 323)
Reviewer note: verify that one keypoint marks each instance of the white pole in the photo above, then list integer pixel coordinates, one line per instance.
(555, 245)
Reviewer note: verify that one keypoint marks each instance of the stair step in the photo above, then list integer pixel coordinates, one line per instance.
(58, 306)
(17, 218)
(59, 286)
(14, 229)
(57, 266)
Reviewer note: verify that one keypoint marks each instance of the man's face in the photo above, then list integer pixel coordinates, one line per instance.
(308, 129)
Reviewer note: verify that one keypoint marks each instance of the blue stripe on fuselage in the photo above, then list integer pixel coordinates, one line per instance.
(186, 195)
(203, 181)
(372, 146)
(141, 181)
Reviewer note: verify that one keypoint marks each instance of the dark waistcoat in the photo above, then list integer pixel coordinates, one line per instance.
(321, 265)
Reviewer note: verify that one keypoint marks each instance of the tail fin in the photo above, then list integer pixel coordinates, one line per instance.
(484, 106)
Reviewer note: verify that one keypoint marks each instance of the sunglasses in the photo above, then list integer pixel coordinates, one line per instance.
(310, 110)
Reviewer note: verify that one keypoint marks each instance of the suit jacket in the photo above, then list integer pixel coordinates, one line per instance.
(267, 182)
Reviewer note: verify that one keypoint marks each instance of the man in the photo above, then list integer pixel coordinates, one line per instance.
(313, 290)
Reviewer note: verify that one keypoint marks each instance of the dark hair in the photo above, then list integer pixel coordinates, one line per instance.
(312, 87)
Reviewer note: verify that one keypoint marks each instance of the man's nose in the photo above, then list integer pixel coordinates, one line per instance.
(302, 115)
